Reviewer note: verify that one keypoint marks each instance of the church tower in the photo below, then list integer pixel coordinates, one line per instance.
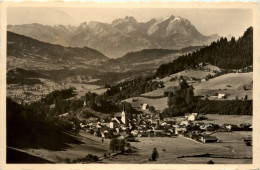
(123, 115)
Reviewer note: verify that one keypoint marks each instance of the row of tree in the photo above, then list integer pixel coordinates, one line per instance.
(132, 88)
(225, 107)
(180, 101)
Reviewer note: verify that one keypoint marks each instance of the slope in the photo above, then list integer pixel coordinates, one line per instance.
(25, 52)
(233, 54)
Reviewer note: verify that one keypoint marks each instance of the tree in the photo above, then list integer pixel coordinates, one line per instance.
(113, 145)
(121, 144)
(155, 154)
(152, 109)
(110, 134)
(117, 144)
(210, 162)
(190, 96)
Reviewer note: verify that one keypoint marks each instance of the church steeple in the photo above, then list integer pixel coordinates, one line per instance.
(123, 115)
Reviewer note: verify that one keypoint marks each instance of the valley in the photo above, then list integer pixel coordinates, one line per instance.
(128, 92)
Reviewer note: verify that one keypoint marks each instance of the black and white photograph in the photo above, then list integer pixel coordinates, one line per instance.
(130, 85)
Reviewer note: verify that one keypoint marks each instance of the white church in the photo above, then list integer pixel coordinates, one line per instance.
(120, 120)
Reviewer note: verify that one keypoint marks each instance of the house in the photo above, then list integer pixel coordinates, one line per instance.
(245, 126)
(144, 106)
(113, 123)
(185, 122)
(231, 127)
(222, 96)
(192, 116)
(247, 139)
(208, 139)
(192, 78)
(134, 132)
(180, 129)
(64, 115)
(202, 80)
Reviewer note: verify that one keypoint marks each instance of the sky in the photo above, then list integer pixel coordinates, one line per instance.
(207, 21)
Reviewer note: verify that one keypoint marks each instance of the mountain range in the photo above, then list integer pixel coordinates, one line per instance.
(28, 53)
(121, 36)
(58, 62)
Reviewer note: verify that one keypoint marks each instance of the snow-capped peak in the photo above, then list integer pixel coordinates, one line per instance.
(176, 19)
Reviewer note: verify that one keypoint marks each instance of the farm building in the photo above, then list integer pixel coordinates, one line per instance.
(247, 139)
(180, 129)
(245, 126)
(222, 96)
(203, 80)
(192, 116)
(208, 139)
(64, 115)
(184, 122)
(231, 127)
(144, 106)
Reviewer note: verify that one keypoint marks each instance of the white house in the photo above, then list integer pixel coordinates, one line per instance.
(193, 116)
(145, 106)
(111, 125)
(208, 139)
(185, 122)
(180, 129)
(64, 115)
(222, 96)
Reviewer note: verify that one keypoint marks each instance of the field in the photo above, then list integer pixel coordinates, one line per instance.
(175, 150)
(71, 146)
(233, 80)
(231, 119)
(159, 103)
(187, 73)
(231, 84)
(181, 150)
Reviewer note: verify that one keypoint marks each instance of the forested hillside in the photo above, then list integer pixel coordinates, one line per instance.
(233, 54)
(147, 55)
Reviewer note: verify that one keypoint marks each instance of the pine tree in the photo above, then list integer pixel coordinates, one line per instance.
(155, 154)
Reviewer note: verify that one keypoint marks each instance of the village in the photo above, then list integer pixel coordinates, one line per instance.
(150, 124)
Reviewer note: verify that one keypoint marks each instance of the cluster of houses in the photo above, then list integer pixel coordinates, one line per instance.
(150, 125)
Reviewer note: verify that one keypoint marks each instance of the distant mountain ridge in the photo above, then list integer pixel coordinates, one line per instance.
(123, 35)
(153, 54)
(28, 53)
(152, 58)
(33, 54)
